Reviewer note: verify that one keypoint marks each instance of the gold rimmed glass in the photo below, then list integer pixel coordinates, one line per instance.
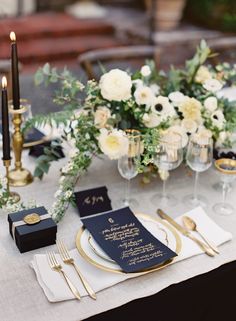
(168, 157)
(227, 170)
(128, 163)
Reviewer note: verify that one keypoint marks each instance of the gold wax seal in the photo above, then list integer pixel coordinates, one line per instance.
(31, 219)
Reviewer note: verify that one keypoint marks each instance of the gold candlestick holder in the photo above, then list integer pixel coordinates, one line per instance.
(15, 196)
(19, 176)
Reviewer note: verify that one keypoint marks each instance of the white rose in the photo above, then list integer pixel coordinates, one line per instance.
(101, 115)
(163, 108)
(114, 144)
(212, 85)
(202, 75)
(211, 104)
(218, 119)
(116, 85)
(151, 120)
(155, 89)
(176, 97)
(181, 131)
(189, 125)
(144, 96)
(145, 71)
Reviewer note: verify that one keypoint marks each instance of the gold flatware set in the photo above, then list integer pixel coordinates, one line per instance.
(67, 259)
(190, 225)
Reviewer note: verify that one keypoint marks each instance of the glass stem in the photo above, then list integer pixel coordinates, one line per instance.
(224, 190)
(164, 188)
(127, 192)
(195, 186)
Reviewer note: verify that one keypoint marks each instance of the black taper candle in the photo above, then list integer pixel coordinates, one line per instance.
(5, 122)
(15, 72)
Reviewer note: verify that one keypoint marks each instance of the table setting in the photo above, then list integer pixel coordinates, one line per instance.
(119, 216)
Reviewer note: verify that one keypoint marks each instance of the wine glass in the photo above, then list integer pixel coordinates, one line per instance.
(128, 164)
(199, 159)
(168, 157)
(227, 170)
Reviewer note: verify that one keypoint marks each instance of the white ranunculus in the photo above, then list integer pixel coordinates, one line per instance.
(145, 71)
(211, 104)
(116, 85)
(202, 75)
(144, 96)
(176, 97)
(189, 125)
(218, 119)
(163, 108)
(151, 120)
(113, 143)
(212, 85)
(155, 89)
(101, 115)
(181, 131)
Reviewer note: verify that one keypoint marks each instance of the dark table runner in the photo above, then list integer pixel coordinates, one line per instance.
(207, 297)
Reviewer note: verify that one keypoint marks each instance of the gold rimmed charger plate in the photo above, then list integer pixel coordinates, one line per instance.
(177, 249)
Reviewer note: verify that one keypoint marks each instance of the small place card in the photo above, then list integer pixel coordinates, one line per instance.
(93, 201)
(121, 235)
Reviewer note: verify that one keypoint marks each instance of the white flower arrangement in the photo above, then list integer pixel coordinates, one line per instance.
(183, 101)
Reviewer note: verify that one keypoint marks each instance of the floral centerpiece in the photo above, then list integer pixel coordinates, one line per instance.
(154, 102)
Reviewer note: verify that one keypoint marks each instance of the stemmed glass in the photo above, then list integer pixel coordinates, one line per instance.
(168, 157)
(199, 159)
(227, 169)
(128, 164)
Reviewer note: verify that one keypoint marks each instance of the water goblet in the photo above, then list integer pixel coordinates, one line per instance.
(128, 163)
(199, 159)
(168, 157)
(227, 170)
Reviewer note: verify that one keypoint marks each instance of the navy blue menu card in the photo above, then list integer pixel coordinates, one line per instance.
(121, 235)
(93, 201)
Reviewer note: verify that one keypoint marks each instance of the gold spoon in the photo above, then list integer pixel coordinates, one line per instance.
(191, 225)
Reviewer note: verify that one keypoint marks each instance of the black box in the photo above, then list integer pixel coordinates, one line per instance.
(31, 237)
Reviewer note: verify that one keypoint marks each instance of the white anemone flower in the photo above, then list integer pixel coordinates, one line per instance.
(212, 85)
(218, 119)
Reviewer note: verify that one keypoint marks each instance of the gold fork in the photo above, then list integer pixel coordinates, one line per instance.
(65, 255)
(54, 265)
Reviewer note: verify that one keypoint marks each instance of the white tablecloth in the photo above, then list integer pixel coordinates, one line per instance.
(21, 297)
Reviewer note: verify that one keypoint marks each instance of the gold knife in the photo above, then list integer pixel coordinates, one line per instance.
(186, 232)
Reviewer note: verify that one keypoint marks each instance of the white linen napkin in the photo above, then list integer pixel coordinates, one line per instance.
(56, 289)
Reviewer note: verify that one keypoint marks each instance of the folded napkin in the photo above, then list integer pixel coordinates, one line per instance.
(56, 289)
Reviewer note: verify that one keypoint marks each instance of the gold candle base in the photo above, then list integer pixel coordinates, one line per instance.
(20, 177)
(15, 196)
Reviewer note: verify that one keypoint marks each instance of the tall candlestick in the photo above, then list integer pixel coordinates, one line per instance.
(5, 122)
(15, 72)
